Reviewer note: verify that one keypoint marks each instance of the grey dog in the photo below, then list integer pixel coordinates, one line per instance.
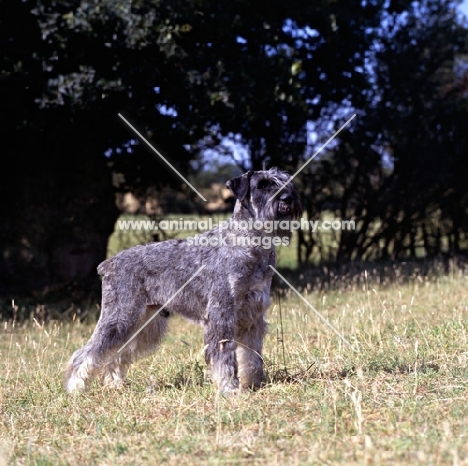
(142, 285)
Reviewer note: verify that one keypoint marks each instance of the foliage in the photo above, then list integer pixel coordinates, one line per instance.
(400, 171)
(188, 74)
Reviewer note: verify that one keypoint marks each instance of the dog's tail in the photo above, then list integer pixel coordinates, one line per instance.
(105, 267)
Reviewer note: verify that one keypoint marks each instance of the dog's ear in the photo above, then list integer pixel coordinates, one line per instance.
(240, 186)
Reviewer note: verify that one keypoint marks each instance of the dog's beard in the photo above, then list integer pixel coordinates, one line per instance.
(282, 213)
(284, 210)
(277, 203)
(280, 210)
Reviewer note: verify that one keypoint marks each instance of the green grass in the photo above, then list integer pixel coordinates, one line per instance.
(400, 399)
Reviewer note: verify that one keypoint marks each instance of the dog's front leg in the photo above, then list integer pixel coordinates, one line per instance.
(249, 354)
(220, 352)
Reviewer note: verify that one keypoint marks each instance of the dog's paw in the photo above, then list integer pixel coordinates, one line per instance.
(114, 383)
(75, 385)
(231, 389)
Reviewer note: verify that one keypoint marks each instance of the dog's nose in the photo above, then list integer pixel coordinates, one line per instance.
(286, 198)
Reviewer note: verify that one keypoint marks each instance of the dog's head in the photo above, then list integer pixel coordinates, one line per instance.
(266, 195)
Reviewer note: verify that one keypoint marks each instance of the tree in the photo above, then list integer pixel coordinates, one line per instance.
(400, 170)
(186, 74)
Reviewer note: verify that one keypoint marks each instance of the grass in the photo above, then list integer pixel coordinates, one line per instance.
(400, 399)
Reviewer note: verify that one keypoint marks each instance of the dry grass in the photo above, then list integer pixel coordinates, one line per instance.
(401, 399)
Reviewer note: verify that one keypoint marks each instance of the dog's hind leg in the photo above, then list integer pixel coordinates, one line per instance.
(151, 329)
(81, 367)
(117, 323)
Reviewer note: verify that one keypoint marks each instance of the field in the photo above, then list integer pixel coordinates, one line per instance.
(399, 398)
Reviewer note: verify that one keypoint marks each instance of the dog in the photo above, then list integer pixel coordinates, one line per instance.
(220, 280)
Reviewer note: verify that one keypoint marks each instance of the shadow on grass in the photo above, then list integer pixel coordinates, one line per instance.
(69, 303)
(313, 372)
(357, 275)
(194, 375)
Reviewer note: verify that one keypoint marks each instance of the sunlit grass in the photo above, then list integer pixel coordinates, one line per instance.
(400, 399)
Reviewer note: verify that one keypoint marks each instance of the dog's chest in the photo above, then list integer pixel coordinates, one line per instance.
(262, 272)
(254, 276)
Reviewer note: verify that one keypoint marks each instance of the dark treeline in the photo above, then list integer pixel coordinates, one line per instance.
(187, 74)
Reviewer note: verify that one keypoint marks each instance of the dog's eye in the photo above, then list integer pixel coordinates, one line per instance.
(262, 184)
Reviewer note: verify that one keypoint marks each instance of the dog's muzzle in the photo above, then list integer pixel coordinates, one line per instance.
(285, 204)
